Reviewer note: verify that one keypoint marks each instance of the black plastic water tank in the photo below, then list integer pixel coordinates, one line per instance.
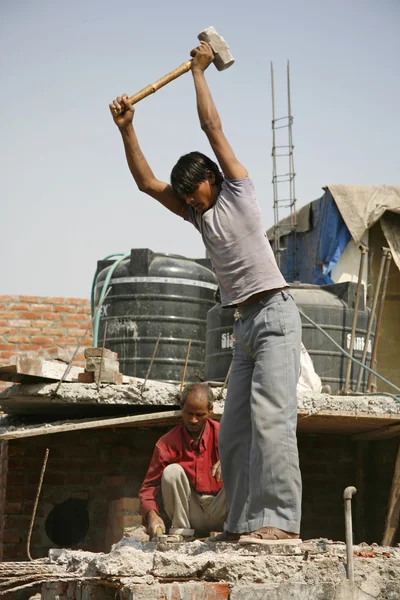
(330, 306)
(156, 294)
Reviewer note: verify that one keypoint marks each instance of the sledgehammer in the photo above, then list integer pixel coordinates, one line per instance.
(223, 59)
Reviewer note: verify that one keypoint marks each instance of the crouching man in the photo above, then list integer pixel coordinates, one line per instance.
(185, 472)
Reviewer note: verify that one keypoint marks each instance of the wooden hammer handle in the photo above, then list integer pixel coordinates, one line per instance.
(153, 87)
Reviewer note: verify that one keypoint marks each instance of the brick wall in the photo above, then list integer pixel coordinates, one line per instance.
(30, 323)
(103, 465)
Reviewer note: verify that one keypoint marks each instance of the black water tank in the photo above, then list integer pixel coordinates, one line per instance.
(156, 294)
(330, 306)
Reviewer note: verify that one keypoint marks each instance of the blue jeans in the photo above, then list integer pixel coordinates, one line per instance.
(257, 436)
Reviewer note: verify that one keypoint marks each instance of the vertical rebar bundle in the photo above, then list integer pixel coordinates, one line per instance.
(284, 177)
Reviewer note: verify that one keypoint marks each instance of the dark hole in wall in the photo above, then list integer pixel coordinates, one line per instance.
(68, 523)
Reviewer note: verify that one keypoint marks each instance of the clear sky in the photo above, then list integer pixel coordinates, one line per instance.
(67, 198)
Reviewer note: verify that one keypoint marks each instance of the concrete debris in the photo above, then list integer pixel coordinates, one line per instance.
(157, 393)
(313, 565)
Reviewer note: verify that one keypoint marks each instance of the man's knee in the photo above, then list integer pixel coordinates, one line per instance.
(172, 473)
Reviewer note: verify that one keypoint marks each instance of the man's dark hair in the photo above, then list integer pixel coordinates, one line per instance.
(191, 387)
(191, 170)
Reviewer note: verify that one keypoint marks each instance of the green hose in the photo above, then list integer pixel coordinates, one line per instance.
(343, 351)
(103, 293)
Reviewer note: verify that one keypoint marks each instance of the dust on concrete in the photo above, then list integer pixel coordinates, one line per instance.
(314, 562)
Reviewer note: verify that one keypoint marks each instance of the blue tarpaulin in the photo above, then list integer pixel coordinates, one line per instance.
(319, 246)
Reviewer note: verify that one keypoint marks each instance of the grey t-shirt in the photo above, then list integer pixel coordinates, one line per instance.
(235, 238)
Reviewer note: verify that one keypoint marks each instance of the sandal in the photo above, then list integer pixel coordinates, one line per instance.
(269, 535)
(225, 536)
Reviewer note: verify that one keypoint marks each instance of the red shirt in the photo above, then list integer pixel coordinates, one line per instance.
(176, 446)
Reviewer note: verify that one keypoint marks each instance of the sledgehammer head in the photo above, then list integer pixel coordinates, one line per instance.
(223, 58)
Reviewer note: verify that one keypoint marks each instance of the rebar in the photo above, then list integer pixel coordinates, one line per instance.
(102, 356)
(364, 250)
(371, 319)
(185, 367)
(28, 542)
(371, 383)
(67, 370)
(150, 365)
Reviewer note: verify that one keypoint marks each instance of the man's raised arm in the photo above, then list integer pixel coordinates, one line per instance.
(138, 165)
(209, 117)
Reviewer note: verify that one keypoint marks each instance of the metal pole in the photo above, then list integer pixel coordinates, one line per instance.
(364, 250)
(274, 174)
(150, 365)
(292, 176)
(102, 356)
(28, 542)
(186, 364)
(347, 496)
(371, 319)
(371, 384)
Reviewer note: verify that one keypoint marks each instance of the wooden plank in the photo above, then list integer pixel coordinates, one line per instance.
(150, 419)
(28, 367)
(393, 513)
(383, 433)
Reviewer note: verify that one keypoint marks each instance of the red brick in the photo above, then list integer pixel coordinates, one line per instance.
(14, 450)
(116, 480)
(72, 341)
(77, 332)
(55, 300)
(19, 339)
(29, 299)
(9, 298)
(15, 478)
(4, 323)
(53, 332)
(19, 307)
(12, 508)
(8, 330)
(6, 355)
(120, 451)
(22, 493)
(75, 320)
(51, 316)
(29, 347)
(11, 538)
(64, 309)
(16, 522)
(40, 324)
(25, 462)
(41, 307)
(5, 314)
(42, 340)
(78, 301)
(30, 331)
(19, 322)
(31, 315)
(7, 347)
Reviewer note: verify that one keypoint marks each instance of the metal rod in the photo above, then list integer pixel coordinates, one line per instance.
(371, 384)
(371, 319)
(28, 542)
(292, 186)
(276, 244)
(150, 365)
(225, 382)
(186, 364)
(102, 356)
(364, 250)
(67, 370)
(347, 496)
